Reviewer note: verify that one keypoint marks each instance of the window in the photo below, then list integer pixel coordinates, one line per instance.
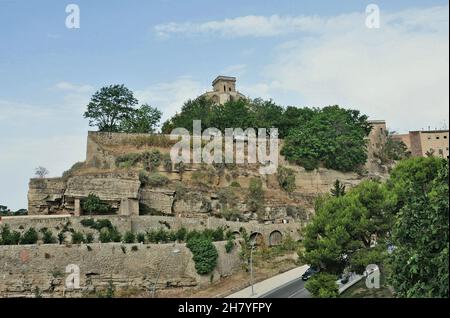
(224, 88)
(229, 88)
(445, 137)
(437, 137)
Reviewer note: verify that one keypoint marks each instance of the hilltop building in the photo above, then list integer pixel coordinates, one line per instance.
(422, 143)
(224, 90)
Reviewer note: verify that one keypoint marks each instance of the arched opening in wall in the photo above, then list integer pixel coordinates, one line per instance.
(257, 239)
(275, 238)
(236, 234)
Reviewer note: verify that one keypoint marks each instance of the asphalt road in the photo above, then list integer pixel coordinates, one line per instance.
(294, 289)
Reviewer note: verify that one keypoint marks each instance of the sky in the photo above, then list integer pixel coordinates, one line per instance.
(301, 53)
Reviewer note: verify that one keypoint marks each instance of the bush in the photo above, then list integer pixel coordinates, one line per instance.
(167, 162)
(255, 195)
(286, 178)
(127, 160)
(115, 235)
(97, 225)
(229, 246)
(157, 180)
(204, 254)
(77, 238)
(29, 237)
(235, 184)
(227, 197)
(9, 238)
(129, 237)
(140, 238)
(93, 205)
(104, 236)
(181, 234)
(151, 159)
(89, 238)
(47, 237)
(153, 180)
(323, 285)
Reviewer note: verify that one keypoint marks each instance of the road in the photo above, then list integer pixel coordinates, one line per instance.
(293, 289)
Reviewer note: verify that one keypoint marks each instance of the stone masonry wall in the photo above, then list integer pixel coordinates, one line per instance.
(29, 269)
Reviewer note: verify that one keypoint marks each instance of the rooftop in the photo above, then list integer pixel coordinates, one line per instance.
(224, 78)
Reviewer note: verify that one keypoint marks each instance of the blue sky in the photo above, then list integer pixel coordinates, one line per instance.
(304, 53)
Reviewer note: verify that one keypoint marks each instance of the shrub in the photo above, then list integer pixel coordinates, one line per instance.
(129, 237)
(229, 246)
(89, 238)
(97, 225)
(93, 205)
(61, 237)
(323, 285)
(255, 195)
(227, 197)
(286, 178)
(231, 215)
(29, 237)
(140, 238)
(150, 140)
(9, 238)
(151, 159)
(167, 162)
(104, 236)
(181, 234)
(235, 184)
(115, 235)
(134, 248)
(157, 180)
(127, 160)
(47, 237)
(204, 254)
(77, 238)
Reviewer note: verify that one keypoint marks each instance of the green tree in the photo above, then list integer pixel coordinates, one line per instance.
(323, 285)
(145, 119)
(344, 225)
(338, 189)
(334, 137)
(110, 107)
(204, 254)
(419, 264)
(93, 205)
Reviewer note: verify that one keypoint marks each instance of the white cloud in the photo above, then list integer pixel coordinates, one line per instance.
(74, 88)
(268, 26)
(170, 96)
(398, 72)
(235, 70)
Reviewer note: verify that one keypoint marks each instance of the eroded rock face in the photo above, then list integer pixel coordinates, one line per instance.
(107, 187)
(45, 195)
(159, 200)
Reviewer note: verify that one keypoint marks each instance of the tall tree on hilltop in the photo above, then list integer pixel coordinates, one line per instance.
(109, 107)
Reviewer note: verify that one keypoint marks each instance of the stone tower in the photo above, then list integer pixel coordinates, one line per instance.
(224, 90)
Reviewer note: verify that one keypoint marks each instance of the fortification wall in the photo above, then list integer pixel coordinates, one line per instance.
(29, 269)
(142, 224)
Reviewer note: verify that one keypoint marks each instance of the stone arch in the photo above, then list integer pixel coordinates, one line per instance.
(275, 238)
(237, 234)
(257, 238)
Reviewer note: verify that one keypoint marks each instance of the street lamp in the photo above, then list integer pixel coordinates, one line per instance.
(252, 245)
(174, 252)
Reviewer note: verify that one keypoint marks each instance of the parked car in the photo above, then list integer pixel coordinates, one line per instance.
(310, 272)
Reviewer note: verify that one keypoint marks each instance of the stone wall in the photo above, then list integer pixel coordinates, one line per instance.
(29, 269)
(142, 224)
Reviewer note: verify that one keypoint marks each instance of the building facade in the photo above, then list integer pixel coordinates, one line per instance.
(426, 142)
(224, 90)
